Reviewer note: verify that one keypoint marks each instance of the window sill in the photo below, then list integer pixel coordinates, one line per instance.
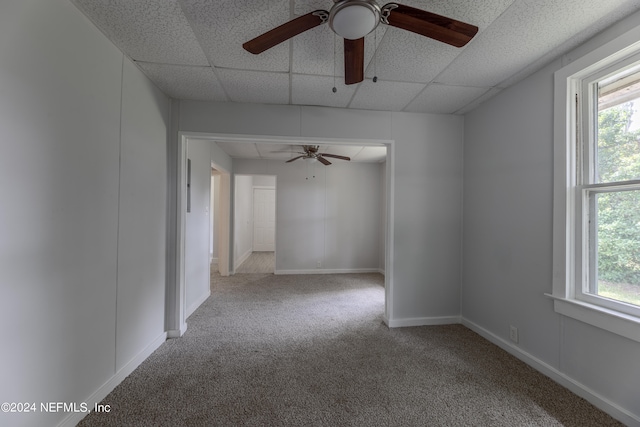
(610, 320)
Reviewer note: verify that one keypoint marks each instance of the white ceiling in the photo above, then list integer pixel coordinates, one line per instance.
(192, 49)
(286, 151)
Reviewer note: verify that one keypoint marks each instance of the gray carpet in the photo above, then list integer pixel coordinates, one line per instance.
(269, 350)
(258, 262)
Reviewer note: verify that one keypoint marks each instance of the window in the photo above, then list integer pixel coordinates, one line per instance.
(608, 187)
(597, 188)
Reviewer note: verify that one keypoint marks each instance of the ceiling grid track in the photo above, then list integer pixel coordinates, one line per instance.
(292, 9)
(211, 63)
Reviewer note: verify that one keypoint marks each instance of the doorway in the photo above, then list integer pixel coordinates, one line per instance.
(219, 226)
(254, 223)
(176, 319)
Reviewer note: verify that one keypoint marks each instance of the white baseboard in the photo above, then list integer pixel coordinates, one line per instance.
(544, 368)
(242, 259)
(177, 333)
(422, 321)
(193, 307)
(329, 271)
(74, 418)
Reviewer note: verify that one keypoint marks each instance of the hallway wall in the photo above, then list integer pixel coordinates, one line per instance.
(83, 168)
(327, 217)
(508, 245)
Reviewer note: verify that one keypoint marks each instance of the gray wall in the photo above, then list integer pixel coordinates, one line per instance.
(427, 181)
(508, 202)
(243, 218)
(197, 225)
(215, 215)
(382, 187)
(324, 214)
(83, 217)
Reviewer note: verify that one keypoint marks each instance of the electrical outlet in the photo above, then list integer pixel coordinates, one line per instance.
(513, 334)
(319, 264)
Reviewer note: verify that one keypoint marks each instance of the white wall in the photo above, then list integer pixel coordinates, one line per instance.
(382, 235)
(264, 181)
(197, 225)
(83, 190)
(142, 218)
(215, 216)
(332, 218)
(427, 179)
(243, 218)
(508, 195)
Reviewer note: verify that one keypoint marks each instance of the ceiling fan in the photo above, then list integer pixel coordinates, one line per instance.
(354, 19)
(311, 152)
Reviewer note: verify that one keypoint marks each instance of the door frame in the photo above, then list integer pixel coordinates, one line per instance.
(224, 222)
(176, 292)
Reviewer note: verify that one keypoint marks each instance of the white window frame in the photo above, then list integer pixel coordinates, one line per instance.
(569, 229)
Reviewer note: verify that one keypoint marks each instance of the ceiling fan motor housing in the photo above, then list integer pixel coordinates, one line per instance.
(354, 19)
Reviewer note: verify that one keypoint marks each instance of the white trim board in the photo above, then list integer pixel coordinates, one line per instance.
(102, 392)
(193, 307)
(242, 259)
(564, 380)
(329, 271)
(423, 321)
(177, 333)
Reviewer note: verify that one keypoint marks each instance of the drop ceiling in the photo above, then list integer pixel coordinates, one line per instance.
(272, 151)
(192, 49)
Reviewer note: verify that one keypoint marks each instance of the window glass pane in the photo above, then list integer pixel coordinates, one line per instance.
(615, 245)
(618, 136)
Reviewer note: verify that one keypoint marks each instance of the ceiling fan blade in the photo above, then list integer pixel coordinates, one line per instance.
(295, 158)
(286, 31)
(336, 156)
(353, 61)
(323, 161)
(438, 27)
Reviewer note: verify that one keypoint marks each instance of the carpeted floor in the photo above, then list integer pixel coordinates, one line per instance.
(258, 262)
(268, 350)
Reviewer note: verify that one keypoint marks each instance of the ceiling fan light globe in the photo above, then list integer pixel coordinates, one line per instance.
(354, 19)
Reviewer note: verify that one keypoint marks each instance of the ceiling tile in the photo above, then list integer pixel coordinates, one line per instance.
(238, 149)
(443, 99)
(313, 52)
(278, 151)
(473, 104)
(305, 6)
(383, 95)
(523, 34)
(317, 90)
(185, 82)
(255, 86)
(371, 154)
(406, 56)
(320, 51)
(146, 30)
(602, 23)
(224, 25)
(478, 13)
(341, 150)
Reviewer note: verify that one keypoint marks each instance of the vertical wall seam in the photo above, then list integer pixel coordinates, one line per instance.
(462, 195)
(324, 221)
(115, 344)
